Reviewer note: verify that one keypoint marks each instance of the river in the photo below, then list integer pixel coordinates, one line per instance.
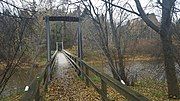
(18, 81)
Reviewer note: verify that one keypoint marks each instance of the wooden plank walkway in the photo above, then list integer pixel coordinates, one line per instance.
(67, 86)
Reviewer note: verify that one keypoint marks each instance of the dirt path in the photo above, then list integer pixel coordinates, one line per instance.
(67, 86)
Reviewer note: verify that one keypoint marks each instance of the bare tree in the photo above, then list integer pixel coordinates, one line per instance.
(15, 22)
(165, 31)
(108, 30)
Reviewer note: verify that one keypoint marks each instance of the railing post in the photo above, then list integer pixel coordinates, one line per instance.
(44, 77)
(87, 73)
(74, 59)
(57, 46)
(46, 80)
(37, 96)
(51, 73)
(62, 45)
(52, 68)
(104, 89)
(83, 70)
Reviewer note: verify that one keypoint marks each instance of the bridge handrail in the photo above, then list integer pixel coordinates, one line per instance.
(34, 88)
(105, 80)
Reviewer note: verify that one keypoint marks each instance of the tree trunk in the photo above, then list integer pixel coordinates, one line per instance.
(120, 69)
(166, 38)
(173, 89)
(165, 32)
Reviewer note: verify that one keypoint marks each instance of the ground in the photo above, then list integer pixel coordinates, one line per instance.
(70, 88)
(67, 86)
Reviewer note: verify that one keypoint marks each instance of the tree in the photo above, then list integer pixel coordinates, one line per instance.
(117, 43)
(165, 31)
(16, 31)
(103, 31)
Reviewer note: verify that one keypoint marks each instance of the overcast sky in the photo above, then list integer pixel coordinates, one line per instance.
(98, 3)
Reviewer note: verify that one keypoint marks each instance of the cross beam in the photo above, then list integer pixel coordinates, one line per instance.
(64, 18)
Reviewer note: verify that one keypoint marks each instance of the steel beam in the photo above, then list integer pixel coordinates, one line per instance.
(64, 18)
(48, 45)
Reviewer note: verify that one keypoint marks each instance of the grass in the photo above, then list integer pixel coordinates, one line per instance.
(152, 89)
(96, 79)
(13, 97)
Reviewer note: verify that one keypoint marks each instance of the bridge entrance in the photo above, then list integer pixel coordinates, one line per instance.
(48, 31)
(63, 18)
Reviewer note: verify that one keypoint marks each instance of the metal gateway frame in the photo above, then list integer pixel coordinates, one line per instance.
(62, 18)
(48, 31)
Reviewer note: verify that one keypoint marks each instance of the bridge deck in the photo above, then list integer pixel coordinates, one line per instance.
(66, 85)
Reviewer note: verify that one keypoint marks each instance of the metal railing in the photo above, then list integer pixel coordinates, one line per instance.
(84, 69)
(33, 92)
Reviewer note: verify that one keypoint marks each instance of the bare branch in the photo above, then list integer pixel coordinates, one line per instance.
(15, 6)
(121, 8)
(14, 16)
(145, 18)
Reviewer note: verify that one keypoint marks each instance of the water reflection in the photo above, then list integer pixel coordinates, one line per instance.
(21, 78)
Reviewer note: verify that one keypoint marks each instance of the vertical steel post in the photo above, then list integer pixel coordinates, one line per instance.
(80, 51)
(56, 45)
(48, 46)
(79, 54)
(48, 38)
